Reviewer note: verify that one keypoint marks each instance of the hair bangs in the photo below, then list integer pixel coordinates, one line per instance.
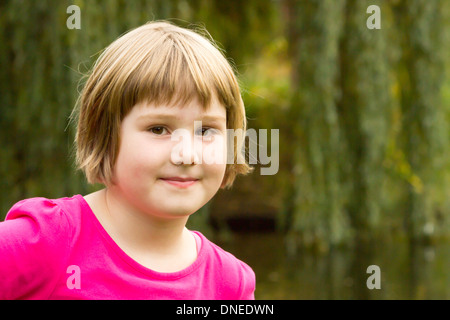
(177, 73)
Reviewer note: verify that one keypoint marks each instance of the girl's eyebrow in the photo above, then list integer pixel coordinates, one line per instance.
(213, 118)
(170, 116)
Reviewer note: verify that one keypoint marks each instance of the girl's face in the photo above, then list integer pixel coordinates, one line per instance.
(158, 169)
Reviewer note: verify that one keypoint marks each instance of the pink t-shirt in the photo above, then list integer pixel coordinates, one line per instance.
(57, 249)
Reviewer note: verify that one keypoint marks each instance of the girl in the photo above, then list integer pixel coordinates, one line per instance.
(129, 240)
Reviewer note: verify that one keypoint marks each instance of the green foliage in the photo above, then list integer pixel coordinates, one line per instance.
(318, 196)
(424, 137)
(386, 155)
(364, 109)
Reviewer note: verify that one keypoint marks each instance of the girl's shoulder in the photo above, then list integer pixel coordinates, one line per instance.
(35, 242)
(55, 212)
(220, 253)
(229, 269)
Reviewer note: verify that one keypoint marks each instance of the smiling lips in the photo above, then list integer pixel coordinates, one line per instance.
(180, 182)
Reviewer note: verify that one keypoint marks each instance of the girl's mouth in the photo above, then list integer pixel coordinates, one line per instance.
(180, 182)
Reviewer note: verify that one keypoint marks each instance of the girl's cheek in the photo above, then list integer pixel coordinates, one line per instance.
(214, 151)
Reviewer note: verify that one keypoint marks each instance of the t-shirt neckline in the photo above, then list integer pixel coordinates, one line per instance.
(136, 265)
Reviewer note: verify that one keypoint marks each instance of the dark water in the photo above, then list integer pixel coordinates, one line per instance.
(406, 272)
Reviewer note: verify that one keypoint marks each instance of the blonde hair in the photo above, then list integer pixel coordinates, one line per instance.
(157, 63)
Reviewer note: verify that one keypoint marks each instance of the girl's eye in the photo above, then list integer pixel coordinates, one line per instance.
(207, 131)
(208, 134)
(158, 130)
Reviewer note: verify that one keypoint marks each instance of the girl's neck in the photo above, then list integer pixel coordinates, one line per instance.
(151, 240)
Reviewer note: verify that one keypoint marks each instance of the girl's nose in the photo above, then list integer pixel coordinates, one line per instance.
(188, 150)
(188, 157)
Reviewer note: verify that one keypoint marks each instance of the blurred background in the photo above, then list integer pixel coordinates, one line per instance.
(363, 117)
